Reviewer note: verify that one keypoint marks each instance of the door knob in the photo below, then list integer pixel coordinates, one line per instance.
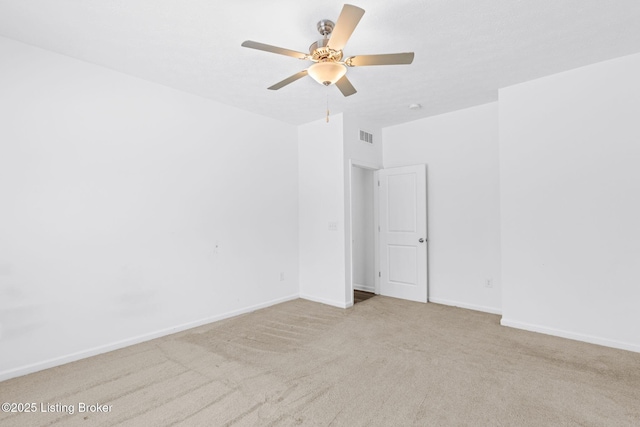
(421, 240)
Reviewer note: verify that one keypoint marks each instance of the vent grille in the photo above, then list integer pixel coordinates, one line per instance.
(366, 137)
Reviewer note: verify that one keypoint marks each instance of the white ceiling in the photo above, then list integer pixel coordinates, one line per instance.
(465, 49)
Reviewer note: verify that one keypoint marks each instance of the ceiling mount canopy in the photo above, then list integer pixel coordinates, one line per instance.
(326, 54)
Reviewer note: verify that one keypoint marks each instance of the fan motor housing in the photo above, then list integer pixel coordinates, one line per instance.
(320, 52)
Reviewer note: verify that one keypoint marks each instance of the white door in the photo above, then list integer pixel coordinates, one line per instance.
(403, 232)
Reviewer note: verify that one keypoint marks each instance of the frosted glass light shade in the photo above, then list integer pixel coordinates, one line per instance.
(327, 73)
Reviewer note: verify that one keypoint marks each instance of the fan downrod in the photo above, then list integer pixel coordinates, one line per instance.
(325, 27)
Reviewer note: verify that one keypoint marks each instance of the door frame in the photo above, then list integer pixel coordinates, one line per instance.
(376, 224)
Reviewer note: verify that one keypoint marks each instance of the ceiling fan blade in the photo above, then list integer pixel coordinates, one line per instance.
(384, 59)
(346, 23)
(288, 80)
(274, 49)
(345, 86)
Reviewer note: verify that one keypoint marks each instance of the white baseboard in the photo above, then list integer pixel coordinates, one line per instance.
(338, 304)
(39, 366)
(491, 310)
(571, 335)
(365, 288)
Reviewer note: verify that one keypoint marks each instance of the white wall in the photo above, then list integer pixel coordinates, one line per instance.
(326, 152)
(363, 153)
(129, 209)
(362, 231)
(460, 150)
(570, 185)
(322, 203)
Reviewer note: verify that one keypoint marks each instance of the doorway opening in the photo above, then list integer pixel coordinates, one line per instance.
(363, 245)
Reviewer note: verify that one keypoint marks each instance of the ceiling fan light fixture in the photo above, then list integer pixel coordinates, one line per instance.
(327, 66)
(327, 73)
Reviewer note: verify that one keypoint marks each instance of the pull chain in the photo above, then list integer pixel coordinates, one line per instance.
(327, 104)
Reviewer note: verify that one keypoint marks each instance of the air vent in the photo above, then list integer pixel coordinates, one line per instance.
(366, 137)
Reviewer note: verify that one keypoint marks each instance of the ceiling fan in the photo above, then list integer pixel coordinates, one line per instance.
(326, 54)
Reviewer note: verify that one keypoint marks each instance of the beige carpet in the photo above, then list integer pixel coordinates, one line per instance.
(384, 362)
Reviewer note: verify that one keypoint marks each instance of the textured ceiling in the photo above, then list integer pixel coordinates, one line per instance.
(465, 49)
